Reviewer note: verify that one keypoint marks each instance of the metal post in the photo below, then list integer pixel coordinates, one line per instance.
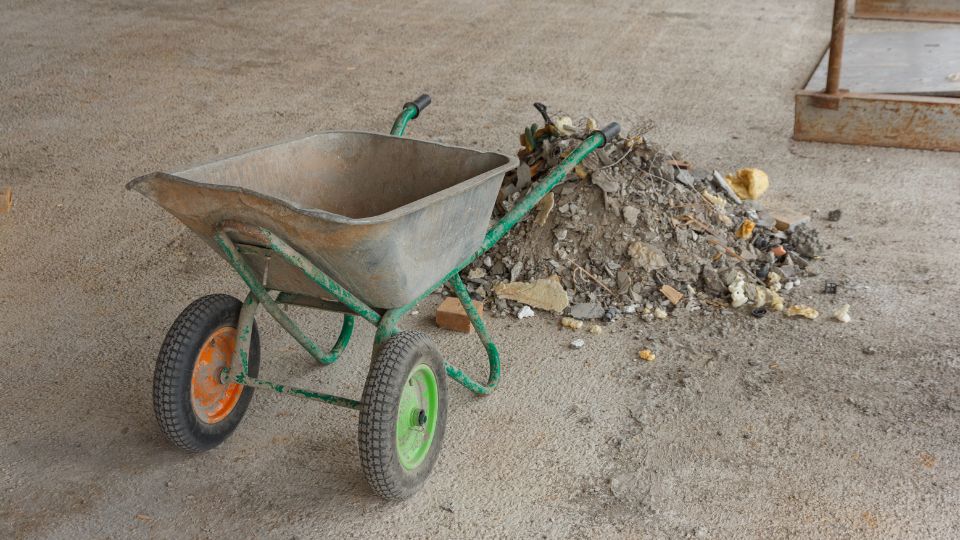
(836, 46)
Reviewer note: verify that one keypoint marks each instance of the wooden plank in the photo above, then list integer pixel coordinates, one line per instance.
(921, 122)
(909, 10)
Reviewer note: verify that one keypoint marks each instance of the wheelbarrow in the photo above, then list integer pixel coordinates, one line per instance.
(359, 223)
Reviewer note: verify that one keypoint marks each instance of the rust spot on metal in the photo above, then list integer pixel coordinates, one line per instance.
(920, 122)
(908, 10)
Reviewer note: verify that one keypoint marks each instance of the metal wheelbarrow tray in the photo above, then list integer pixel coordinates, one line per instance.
(385, 217)
(359, 223)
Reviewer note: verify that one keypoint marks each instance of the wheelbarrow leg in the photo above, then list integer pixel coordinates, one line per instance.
(262, 296)
(493, 355)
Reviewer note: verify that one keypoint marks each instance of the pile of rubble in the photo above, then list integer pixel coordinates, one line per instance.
(636, 229)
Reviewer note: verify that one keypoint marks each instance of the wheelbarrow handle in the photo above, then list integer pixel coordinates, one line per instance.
(411, 110)
(420, 104)
(609, 132)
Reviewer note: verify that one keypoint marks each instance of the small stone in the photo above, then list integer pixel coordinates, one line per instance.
(807, 242)
(647, 355)
(660, 313)
(525, 312)
(869, 350)
(577, 343)
(647, 256)
(571, 323)
(587, 310)
(595, 329)
(476, 273)
(834, 215)
(842, 314)
(630, 214)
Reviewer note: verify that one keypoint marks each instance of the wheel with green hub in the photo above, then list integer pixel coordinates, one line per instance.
(403, 413)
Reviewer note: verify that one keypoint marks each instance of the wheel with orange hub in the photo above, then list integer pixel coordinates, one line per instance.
(196, 409)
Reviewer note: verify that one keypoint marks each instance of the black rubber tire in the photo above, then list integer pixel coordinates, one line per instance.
(378, 415)
(172, 403)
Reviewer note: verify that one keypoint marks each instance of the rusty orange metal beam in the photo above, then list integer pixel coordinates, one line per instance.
(909, 10)
(920, 122)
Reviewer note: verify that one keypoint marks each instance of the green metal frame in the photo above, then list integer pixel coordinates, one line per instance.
(386, 321)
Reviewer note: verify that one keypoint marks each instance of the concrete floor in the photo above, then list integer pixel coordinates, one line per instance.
(741, 428)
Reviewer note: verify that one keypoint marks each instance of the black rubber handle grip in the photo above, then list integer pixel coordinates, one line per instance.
(420, 103)
(609, 132)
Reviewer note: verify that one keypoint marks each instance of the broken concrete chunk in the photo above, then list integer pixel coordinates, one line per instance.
(737, 295)
(516, 270)
(587, 310)
(842, 314)
(807, 242)
(543, 209)
(476, 273)
(647, 256)
(547, 294)
(749, 184)
(787, 219)
(605, 183)
(525, 313)
(685, 178)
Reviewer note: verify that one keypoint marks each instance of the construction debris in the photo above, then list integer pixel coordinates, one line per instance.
(636, 229)
(6, 199)
(571, 323)
(842, 314)
(802, 311)
(547, 294)
(673, 295)
(451, 315)
(749, 184)
(525, 312)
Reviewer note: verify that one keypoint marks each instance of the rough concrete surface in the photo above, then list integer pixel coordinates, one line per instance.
(741, 428)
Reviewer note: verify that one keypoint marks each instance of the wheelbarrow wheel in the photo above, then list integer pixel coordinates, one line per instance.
(194, 409)
(403, 413)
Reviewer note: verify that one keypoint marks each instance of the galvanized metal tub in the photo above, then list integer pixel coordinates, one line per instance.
(386, 217)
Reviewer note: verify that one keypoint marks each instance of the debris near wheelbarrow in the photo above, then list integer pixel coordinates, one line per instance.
(451, 315)
(6, 199)
(638, 226)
